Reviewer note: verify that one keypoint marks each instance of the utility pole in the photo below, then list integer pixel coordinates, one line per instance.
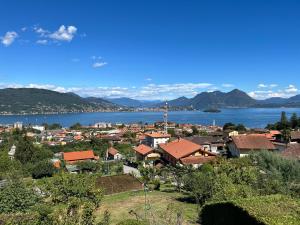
(166, 118)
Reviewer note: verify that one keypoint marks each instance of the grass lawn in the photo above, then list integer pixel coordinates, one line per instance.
(162, 206)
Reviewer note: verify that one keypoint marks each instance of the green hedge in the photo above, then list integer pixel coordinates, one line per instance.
(266, 210)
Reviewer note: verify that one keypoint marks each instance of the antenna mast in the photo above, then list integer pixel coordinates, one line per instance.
(166, 118)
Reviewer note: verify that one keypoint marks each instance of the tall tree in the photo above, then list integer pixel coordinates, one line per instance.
(284, 123)
(294, 121)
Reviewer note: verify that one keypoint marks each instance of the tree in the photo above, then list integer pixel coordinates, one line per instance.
(15, 197)
(240, 127)
(65, 187)
(283, 124)
(229, 126)
(195, 130)
(43, 169)
(24, 150)
(294, 121)
(76, 126)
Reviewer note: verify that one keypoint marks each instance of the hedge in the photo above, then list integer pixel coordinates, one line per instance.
(263, 210)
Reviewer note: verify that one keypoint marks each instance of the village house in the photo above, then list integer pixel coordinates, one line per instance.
(292, 151)
(295, 136)
(242, 145)
(113, 154)
(153, 139)
(142, 151)
(209, 143)
(185, 152)
(80, 156)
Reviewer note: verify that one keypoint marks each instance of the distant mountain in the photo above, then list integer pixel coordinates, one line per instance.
(101, 101)
(216, 99)
(274, 100)
(295, 98)
(34, 101)
(129, 102)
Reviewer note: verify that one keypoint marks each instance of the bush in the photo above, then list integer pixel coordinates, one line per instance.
(133, 222)
(43, 169)
(15, 197)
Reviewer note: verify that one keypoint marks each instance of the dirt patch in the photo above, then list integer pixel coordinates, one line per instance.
(119, 183)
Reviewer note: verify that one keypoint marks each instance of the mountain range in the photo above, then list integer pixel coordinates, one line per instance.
(233, 99)
(41, 101)
(129, 102)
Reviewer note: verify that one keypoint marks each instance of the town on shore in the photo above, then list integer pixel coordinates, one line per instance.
(142, 157)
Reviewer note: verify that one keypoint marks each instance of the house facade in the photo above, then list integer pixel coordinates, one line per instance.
(242, 145)
(113, 154)
(153, 139)
(185, 152)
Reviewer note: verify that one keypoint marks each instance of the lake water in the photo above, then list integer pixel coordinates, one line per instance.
(253, 117)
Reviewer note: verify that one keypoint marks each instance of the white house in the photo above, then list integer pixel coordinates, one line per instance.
(12, 152)
(113, 154)
(153, 139)
(37, 127)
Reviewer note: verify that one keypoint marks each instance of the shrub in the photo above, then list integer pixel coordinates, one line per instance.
(43, 169)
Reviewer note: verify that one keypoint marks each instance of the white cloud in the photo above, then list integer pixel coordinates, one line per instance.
(273, 85)
(291, 89)
(23, 29)
(64, 33)
(148, 79)
(150, 91)
(42, 42)
(228, 85)
(262, 86)
(8, 38)
(288, 92)
(267, 85)
(99, 64)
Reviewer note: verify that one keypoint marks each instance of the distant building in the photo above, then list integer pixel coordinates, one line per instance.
(292, 151)
(142, 151)
(102, 125)
(185, 152)
(209, 143)
(18, 125)
(80, 156)
(242, 145)
(295, 136)
(113, 154)
(12, 152)
(37, 127)
(153, 139)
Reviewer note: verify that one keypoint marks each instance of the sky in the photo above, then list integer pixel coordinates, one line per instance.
(151, 49)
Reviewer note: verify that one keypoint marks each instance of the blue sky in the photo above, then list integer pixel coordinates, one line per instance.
(154, 49)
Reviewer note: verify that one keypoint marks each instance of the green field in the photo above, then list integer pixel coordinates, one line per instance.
(162, 207)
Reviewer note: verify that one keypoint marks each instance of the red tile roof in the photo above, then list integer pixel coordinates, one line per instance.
(196, 159)
(180, 148)
(292, 151)
(157, 135)
(253, 142)
(112, 151)
(295, 135)
(143, 149)
(80, 155)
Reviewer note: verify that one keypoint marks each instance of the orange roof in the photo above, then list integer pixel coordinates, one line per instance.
(197, 159)
(158, 135)
(143, 149)
(112, 151)
(180, 148)
(253, 142)
(81, 155)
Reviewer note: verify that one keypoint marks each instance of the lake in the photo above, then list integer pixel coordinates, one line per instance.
(254, 117)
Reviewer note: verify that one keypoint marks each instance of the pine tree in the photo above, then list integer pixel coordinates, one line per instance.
(294, 121)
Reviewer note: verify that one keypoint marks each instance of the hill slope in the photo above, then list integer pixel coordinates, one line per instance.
(33, 101)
